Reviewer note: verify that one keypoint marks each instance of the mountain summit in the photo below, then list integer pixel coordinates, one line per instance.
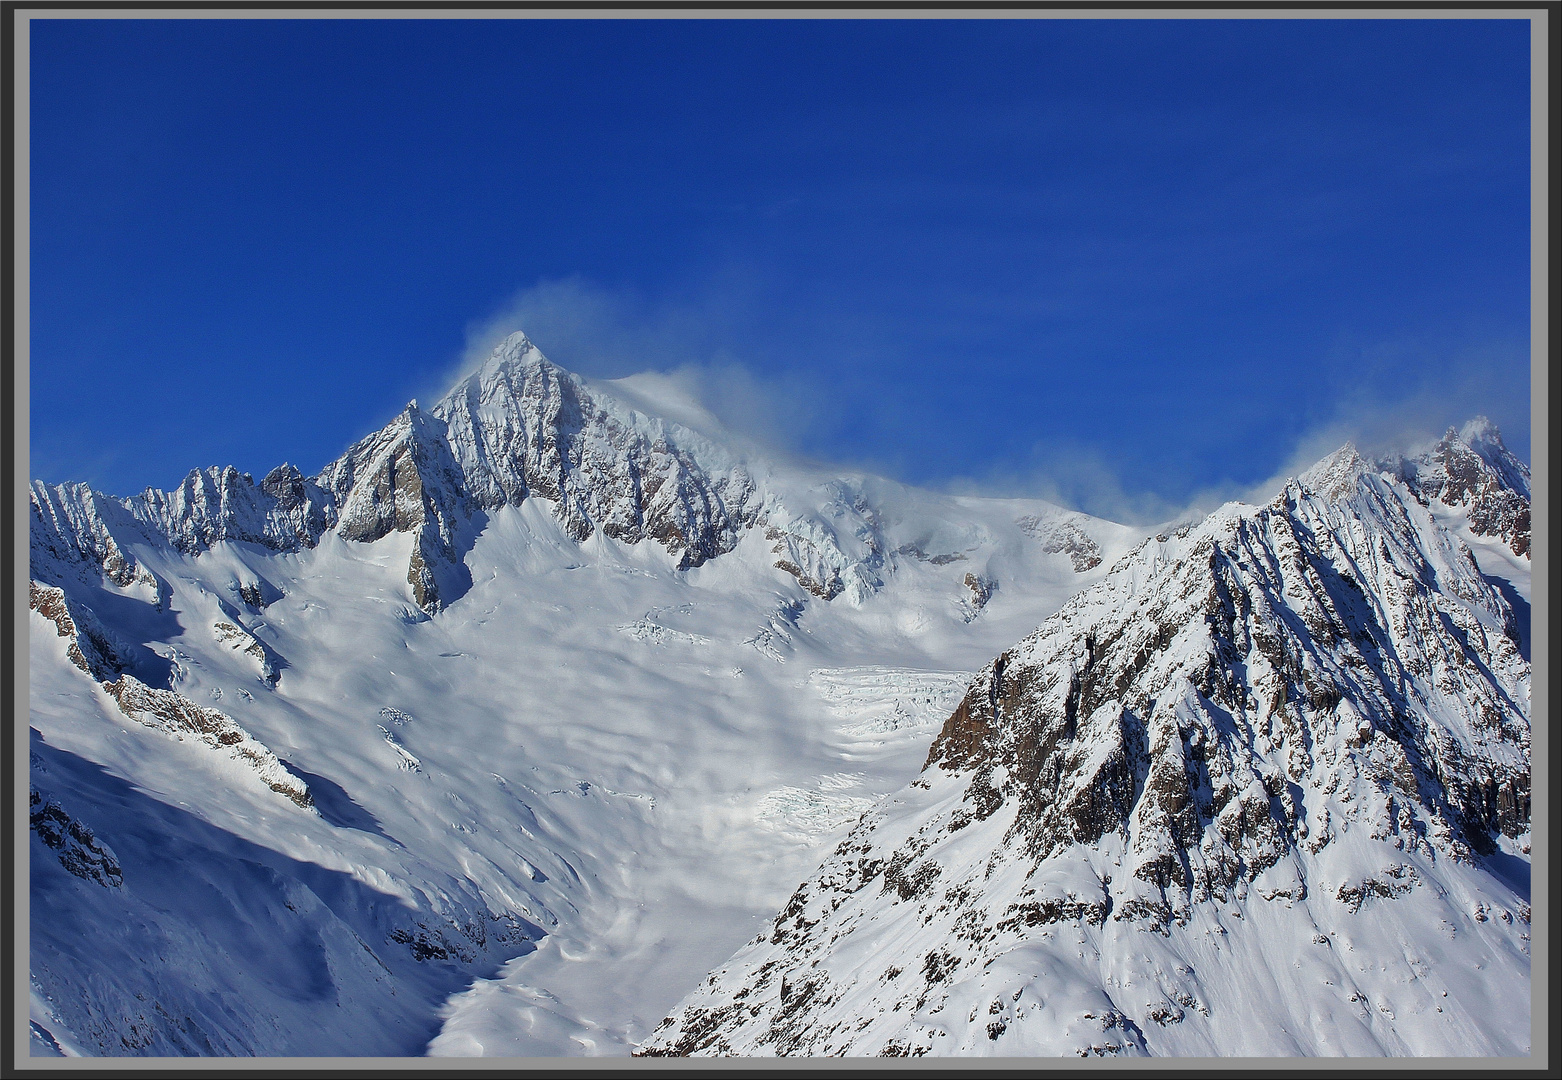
(507, 727)
(1471, 471)
(521, 426)
(532, 679)
(1262, 790)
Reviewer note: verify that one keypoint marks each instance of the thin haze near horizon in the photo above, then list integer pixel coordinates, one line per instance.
(1127, 265)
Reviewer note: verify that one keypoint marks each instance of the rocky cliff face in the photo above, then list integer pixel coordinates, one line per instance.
(1473, 470)
(517, 428)
(404, 478)
(522, 426)
(1233, 799)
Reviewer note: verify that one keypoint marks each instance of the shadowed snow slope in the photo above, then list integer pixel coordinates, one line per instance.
(491, 738)
(1263, 790)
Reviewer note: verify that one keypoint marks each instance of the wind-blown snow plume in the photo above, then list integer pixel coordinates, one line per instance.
(501, 731)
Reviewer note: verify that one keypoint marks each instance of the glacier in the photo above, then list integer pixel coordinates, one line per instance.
(509, 733)
(384, 773)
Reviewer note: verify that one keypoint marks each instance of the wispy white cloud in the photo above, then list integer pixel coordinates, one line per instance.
(1449, 388)
(1394, 397)
(587, 329)
(1380, 409)
(1076, 476)
(607, 333)
(612, 332)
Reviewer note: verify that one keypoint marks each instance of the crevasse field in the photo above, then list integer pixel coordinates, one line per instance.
(413, 757)
(611, 770)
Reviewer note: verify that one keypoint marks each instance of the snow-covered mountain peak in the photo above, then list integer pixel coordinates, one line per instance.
(1473, 479)
(1469, 478)
(1336, 474)
(1179, 817)
(1483, 439)
(517, 383)
(501, 383)
(515, 351)
(1482, 436)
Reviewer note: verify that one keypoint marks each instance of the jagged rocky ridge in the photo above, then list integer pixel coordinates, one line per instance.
(92, 649)
(517, 428)
(1470, 468)
(1263, 790)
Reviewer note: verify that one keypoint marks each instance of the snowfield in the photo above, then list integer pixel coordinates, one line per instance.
(1261, 791)
(537, 814)
(503, 732)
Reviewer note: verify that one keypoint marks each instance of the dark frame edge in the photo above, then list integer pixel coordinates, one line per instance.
(8, 594)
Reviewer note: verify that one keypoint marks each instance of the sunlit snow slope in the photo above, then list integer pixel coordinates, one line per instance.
(494, 736)
(1262, 790)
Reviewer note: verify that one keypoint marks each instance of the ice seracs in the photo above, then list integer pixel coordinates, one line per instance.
(1256, 792)
(606, 622)
(504, 729)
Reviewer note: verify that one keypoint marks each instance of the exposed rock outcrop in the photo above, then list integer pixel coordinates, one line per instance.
(78, 848)
(982, 589)
(91, 647)
(240, 640)
(1064, 535)
(180, 718)
(1313, 706)
(1472, 468)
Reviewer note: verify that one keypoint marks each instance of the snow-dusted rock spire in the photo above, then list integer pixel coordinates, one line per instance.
(522, 426)
(1471, 469)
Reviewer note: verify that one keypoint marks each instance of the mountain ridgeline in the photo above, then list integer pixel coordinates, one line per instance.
(454, 721)
(1265, 789)
(517, 427)
(520, 427)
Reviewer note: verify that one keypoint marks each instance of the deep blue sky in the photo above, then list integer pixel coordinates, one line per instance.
(1071, 258)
